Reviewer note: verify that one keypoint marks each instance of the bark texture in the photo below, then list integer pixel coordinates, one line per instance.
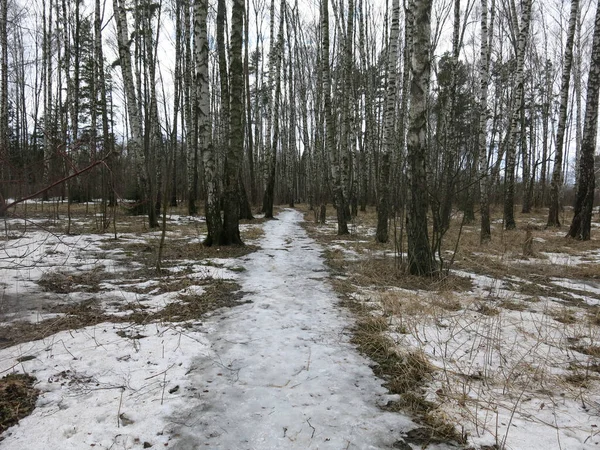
(230, 233)
(420, 257)
(389, 141)
(334, 160)
(214, 223)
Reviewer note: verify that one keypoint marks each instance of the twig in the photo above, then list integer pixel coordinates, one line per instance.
(162, 396)
(119, 410)
(160, 373)
(63, 343)
(313, 428)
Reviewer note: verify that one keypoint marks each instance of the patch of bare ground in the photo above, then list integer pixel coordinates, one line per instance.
(187, 307)
(17, 399)
(62, 282)
(483, 354)
(196, 289)
(219, 294)
(176, 250)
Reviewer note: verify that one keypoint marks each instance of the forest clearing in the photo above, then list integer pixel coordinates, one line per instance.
(300, 339)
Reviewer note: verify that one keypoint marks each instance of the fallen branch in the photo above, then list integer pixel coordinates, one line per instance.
(4, 207)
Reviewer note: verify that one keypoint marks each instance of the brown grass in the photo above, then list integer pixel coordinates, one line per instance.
(179, 249)
(17, 399)
(391, 304)
(217, 294)
(253, 233)
(406, 374)
(62, 282)
(590, 350)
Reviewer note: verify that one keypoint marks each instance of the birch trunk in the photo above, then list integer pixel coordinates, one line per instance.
(556, 184)
(275, 58)
(201, 84)
(481, 153)
(509, 177)
(133, 111)
(230, 234)
(420, 257)
(584, 202)
(389, 142)
(190, 110)
(334, 163)
(4, 136)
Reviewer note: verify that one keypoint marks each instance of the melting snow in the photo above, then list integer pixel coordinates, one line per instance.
(275, 373)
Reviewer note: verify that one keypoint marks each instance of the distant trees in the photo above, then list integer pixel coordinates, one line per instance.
(334, 106)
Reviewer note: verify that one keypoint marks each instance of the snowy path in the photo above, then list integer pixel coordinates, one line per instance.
(283, 375)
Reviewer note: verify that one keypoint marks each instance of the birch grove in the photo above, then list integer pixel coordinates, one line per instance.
(350, 107)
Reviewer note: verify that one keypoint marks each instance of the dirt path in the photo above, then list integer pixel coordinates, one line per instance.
(283, 374)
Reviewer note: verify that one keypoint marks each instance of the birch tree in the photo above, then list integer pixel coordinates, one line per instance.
(201, 84)
(230, 233)
(4, 138)
(275, 58)
(135, 144)
(334, 160)
(481, 153)
(420, 257)
(584, 202)
(509, 177)
(556, 184)
(389, 142)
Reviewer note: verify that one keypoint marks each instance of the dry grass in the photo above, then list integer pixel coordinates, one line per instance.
(484, 344)
(252, 233)
(590, 350)
(62, 282)
(76, 316)
(178, 249)
(217, 294)
(406, 374)
(17, 399)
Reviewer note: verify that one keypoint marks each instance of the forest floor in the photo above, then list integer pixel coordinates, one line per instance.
(292, 343)
(503, 350)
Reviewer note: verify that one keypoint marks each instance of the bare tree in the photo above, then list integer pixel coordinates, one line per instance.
(553, 217)
(584, 202)
(420, 257)
(389, 141)
(509, 179)
(334, 159)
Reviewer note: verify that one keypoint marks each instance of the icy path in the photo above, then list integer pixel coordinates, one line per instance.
(283, 375)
